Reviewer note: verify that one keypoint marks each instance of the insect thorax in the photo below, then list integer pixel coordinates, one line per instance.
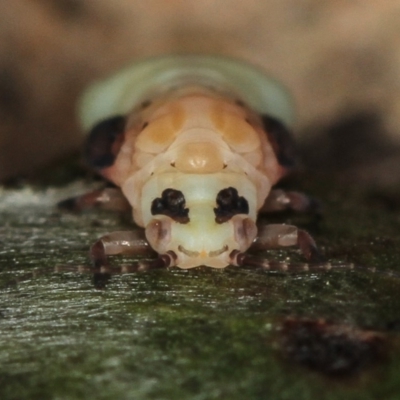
(203, 148)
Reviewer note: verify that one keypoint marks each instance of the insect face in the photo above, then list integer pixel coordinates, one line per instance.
(200, 228)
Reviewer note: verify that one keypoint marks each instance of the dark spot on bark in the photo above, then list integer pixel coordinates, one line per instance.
(171, 203)
(104, 142)
(334, 350)
(229, 203)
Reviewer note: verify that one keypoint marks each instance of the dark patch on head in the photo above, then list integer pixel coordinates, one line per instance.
(104, 142)
(281, 141)
(229, 203)
(239, 103)
(171, 203)
(145, 104)
(334, 350)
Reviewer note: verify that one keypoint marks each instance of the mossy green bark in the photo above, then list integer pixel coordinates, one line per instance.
(198, 334)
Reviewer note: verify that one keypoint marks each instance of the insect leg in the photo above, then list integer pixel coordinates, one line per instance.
(244, 259)
(107, 198)
(128, 243)
(119, 242)
(162, 261)
(281, 235)
(280, 200)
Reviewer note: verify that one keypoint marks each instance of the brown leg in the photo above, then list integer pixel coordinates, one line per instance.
(276, 236)
(120, 242)
(280, 235)
(279, 200)
(162, 261)
(128, 243)
(107, 198)
(244, 259)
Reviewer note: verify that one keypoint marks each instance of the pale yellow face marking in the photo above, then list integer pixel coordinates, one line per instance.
(232, 125)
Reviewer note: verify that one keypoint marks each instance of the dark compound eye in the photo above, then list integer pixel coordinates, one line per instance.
(281, 140)
(229, 203)
(104, 141)
(145, 104)
(171, 203)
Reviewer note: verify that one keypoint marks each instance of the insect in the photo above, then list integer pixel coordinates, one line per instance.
(195, 144)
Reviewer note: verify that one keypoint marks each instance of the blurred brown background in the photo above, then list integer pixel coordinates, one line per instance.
(340, 59)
